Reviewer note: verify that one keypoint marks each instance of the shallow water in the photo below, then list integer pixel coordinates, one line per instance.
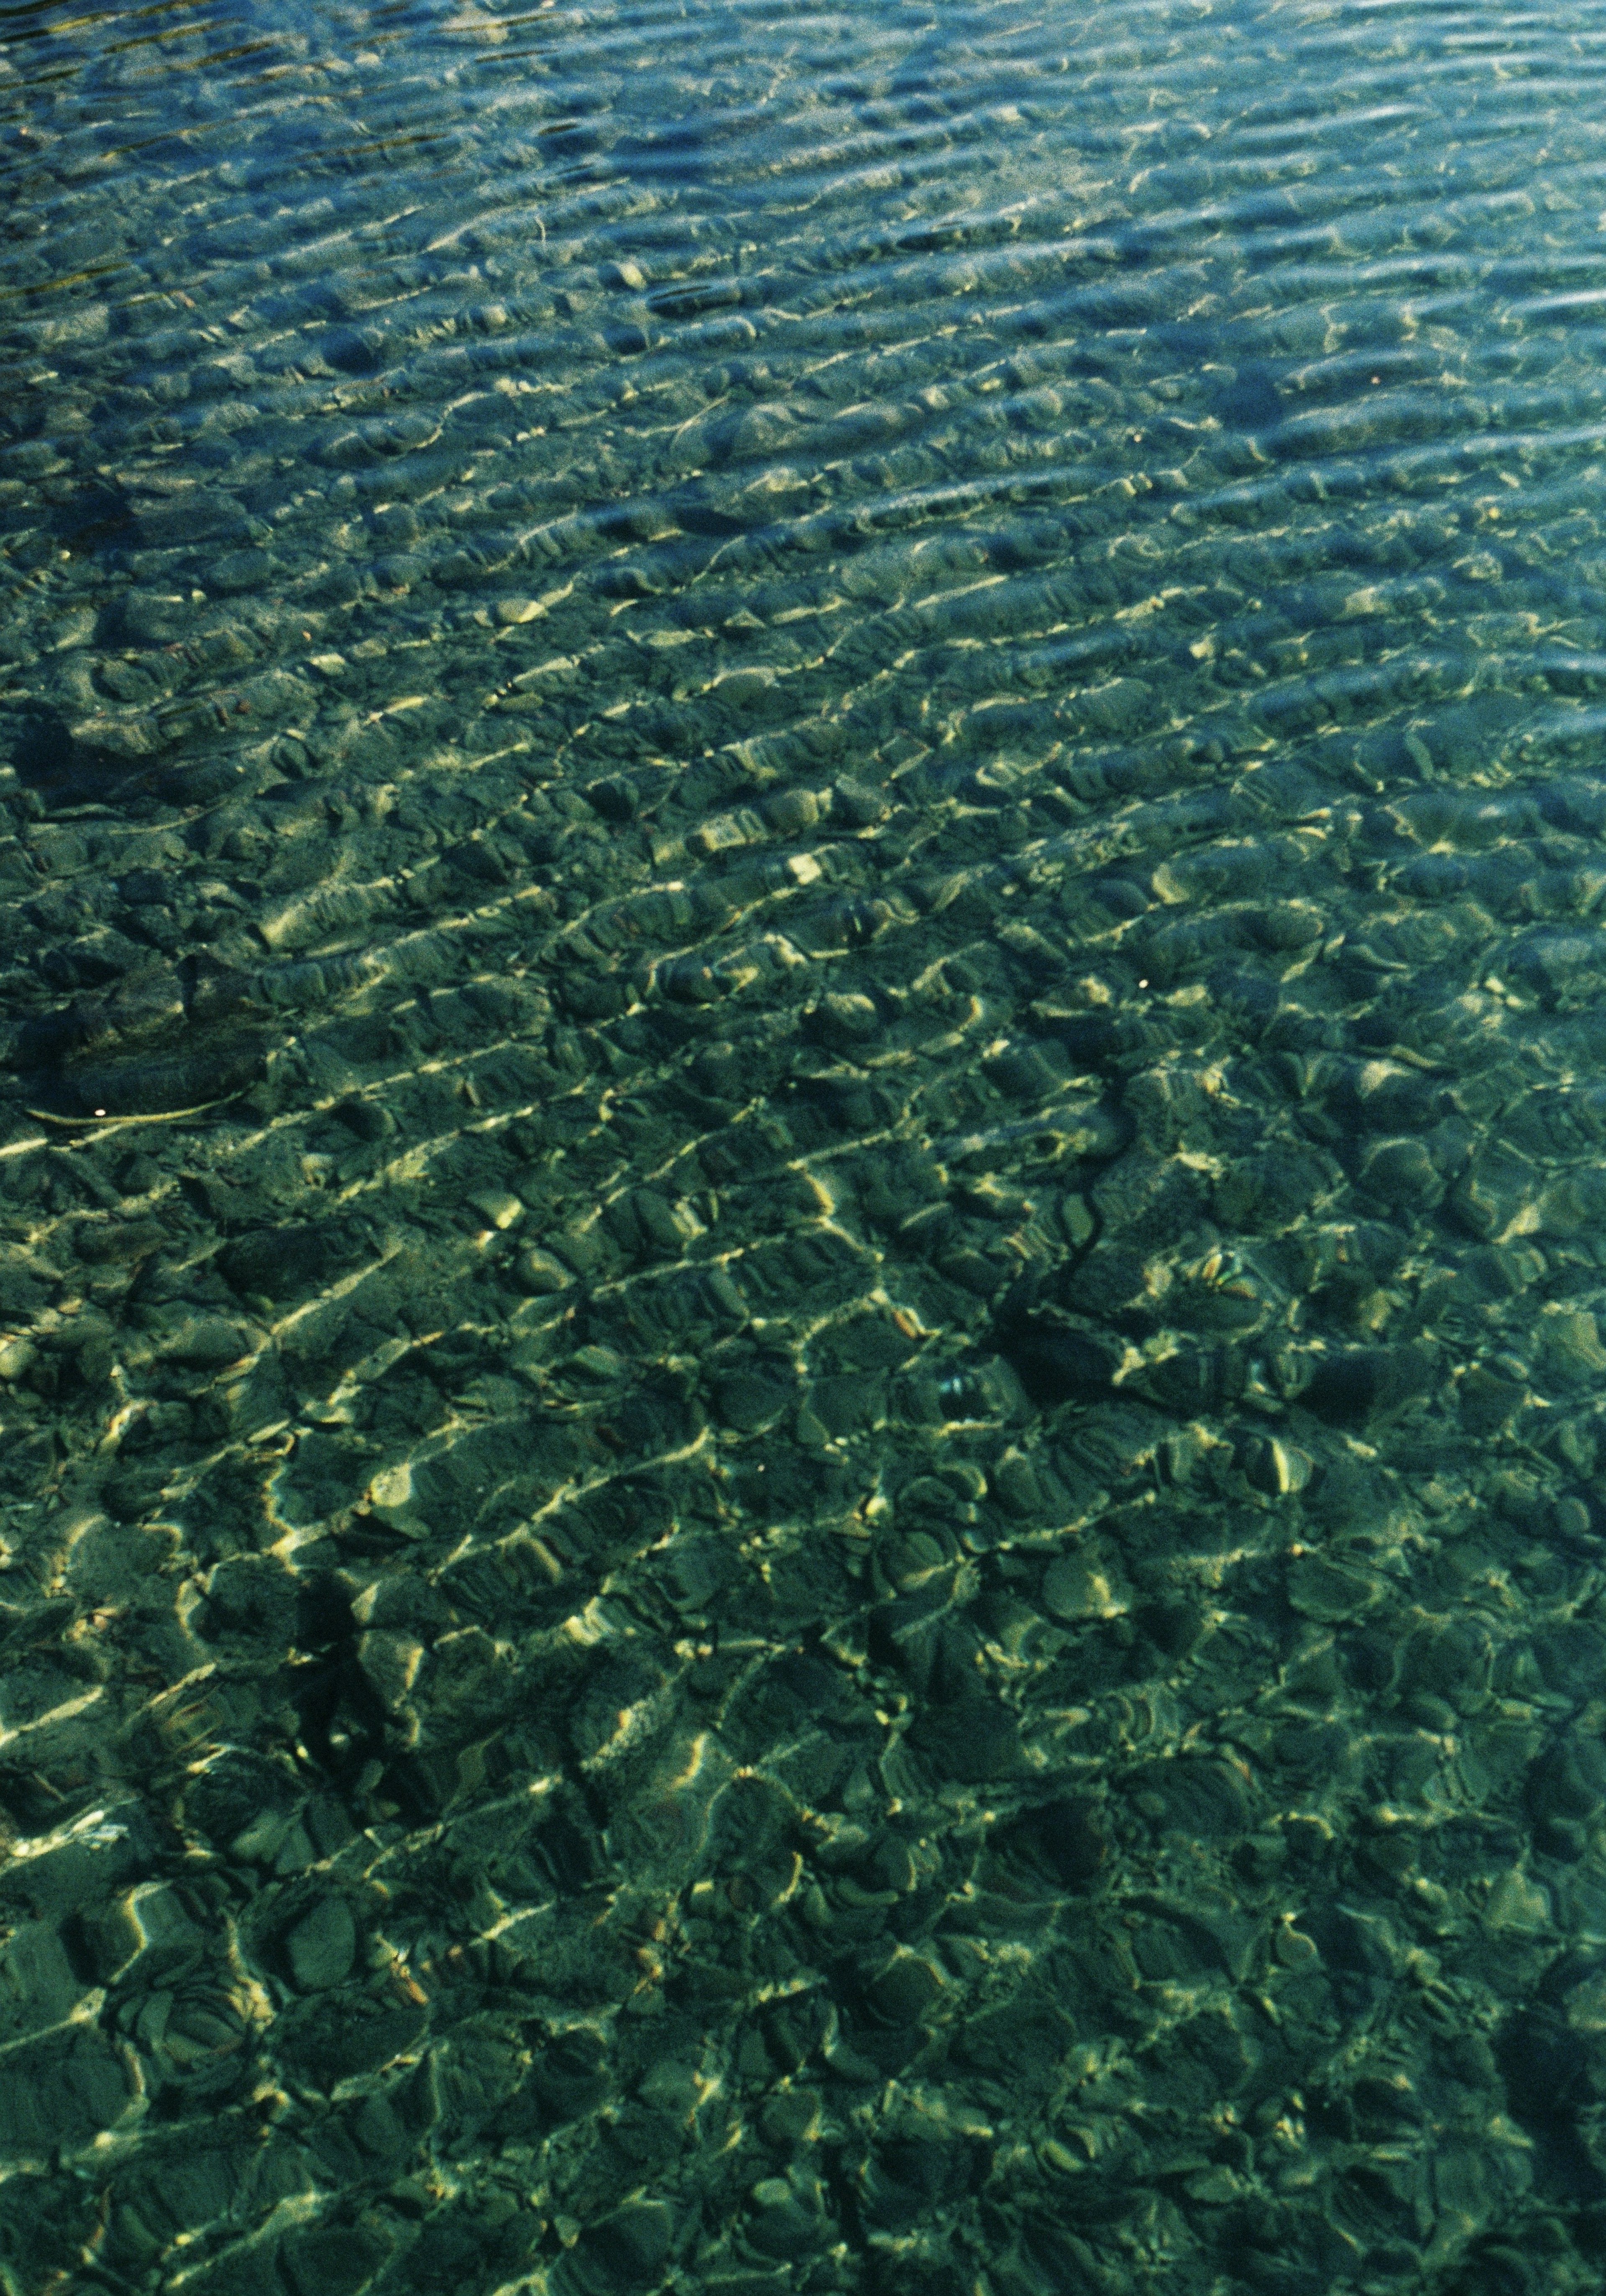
(803, 1038)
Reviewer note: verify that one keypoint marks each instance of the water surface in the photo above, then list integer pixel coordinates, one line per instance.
(801, 1094)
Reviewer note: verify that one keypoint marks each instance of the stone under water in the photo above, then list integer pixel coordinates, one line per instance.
(802, 1071)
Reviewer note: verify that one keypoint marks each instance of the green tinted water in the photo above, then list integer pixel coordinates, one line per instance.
(803, 1034)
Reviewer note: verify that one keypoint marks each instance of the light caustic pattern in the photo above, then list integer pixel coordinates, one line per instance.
(801, 1125)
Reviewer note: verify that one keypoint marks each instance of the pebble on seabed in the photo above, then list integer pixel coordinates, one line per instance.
(800, 1159)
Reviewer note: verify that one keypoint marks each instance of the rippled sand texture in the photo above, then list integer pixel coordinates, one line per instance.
(802, 1140)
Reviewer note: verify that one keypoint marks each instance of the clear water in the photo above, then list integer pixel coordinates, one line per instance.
(804, 1064)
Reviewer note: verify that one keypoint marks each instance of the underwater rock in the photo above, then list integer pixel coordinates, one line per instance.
(1057, 1361)
(1351, 1385)
(800, 1309)
(973, 1740)
(1076, 1587)
(156, 1084)
(1333, 1586)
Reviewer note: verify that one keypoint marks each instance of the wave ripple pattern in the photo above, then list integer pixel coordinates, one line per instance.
(802, 1107)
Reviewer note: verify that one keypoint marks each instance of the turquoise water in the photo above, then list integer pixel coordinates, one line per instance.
(802, 1071)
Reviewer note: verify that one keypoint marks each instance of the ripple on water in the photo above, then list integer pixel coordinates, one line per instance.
(800, 971)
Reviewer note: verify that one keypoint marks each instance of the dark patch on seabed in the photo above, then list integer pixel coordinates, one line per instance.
(802, 1090)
